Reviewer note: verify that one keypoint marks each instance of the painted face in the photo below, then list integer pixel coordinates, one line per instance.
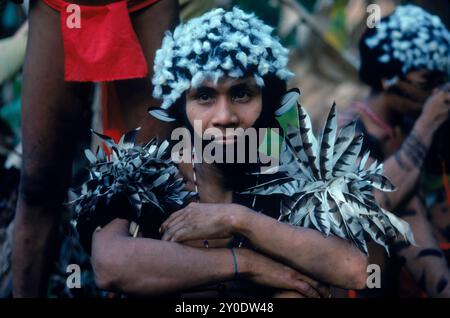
(413, 90)
(231, 103)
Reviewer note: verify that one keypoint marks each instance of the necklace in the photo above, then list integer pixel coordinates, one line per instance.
(364, 108)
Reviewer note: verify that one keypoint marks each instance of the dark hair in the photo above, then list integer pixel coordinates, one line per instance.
(371, 70)
(272, 94)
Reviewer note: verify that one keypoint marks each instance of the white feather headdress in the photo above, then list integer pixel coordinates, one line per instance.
(414, 38)
(325, 187)
(218, 43)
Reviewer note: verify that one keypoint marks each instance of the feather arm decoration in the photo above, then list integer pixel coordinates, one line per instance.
(142, 174)
(325, 187)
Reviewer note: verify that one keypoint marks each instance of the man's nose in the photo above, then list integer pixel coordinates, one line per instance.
(224, 116)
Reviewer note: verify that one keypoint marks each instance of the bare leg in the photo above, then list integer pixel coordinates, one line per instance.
(136, 95)
(51, 116)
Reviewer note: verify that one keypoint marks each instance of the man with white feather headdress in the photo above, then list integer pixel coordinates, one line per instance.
(290, 233)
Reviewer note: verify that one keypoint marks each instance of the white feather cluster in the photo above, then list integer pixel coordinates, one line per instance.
(324, 187)
(218, 43)
(415, 38)
(144, 174)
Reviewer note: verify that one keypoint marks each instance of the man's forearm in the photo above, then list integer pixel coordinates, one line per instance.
(403, 167)
(327, 259)
(144, 266)
(403, 177)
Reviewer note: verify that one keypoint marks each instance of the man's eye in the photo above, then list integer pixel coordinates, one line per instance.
(241, 96)
(204, 98)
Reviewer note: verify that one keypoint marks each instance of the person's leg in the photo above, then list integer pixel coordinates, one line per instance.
(136, 95)
(51, 114)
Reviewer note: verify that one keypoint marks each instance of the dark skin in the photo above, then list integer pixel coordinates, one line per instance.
(51, 111)
(145, 267)
(293, 260)
(424, 260)
(403, 164)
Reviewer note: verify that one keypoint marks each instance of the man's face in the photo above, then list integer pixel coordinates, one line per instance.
(231, 103)
(411, 91)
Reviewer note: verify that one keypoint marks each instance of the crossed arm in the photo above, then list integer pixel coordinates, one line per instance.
(149, 267)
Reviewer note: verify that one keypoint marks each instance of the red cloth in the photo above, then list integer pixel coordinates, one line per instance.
(104, 47)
